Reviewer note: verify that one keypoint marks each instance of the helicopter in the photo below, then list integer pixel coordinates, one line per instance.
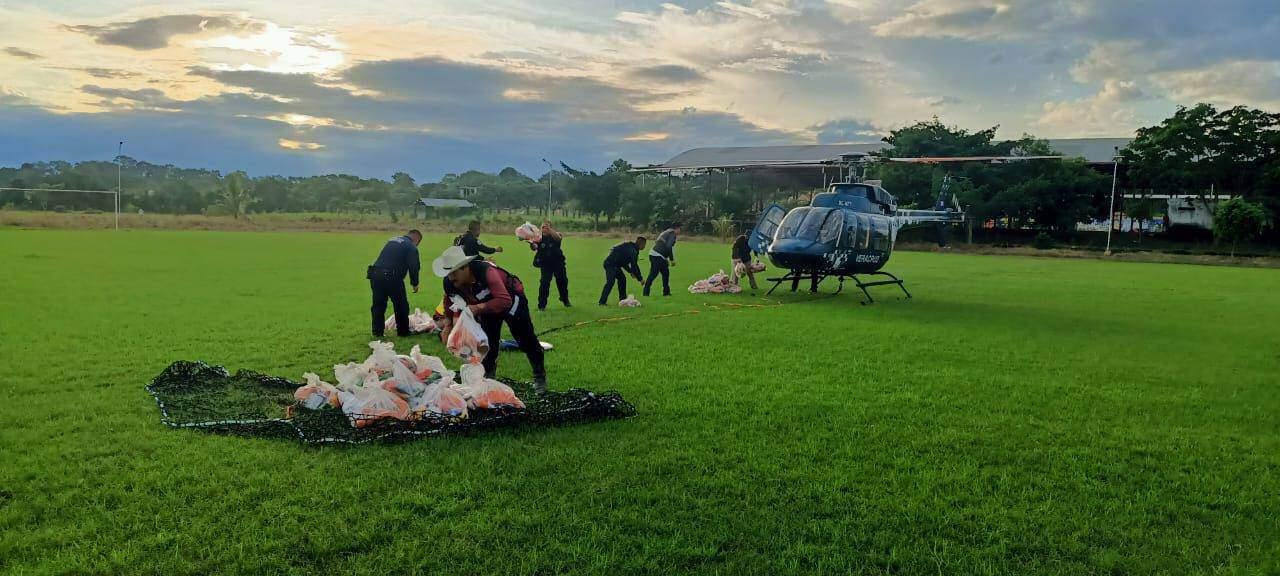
(850, 231)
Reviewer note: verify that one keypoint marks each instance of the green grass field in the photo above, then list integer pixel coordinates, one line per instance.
(1018, 416)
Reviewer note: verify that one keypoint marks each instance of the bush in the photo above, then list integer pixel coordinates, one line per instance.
(1044, 241)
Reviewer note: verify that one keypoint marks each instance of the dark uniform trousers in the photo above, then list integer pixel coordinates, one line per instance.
(544, 284)
(614, 274)
(658, 265)
(386, 284)
(521, 327)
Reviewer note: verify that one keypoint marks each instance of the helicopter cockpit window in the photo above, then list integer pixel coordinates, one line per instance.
(862, 239)
(817, 224)
(831, 227)
(791, 224)
(882, 234)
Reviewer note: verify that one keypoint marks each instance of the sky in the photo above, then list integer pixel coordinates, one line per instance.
(432, 87)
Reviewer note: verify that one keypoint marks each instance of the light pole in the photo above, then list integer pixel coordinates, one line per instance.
(1111, 214)
(550, 177)
(119, 179)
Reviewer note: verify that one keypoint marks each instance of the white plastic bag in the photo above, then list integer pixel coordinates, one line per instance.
(365, 405)
(467, 340)
(351, 374)
(428, 365)
(316, 393)
(529, 233)
(404, 382)
(486, 393)
(383, 356)
(420, 322)
(440, 398)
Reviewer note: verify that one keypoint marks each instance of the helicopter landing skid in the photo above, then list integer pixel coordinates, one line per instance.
(864, 285)
(816, 278)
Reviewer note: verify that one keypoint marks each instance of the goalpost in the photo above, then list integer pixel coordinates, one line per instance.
(114, 193)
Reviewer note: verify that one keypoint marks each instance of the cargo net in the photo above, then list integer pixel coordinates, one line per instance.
(248, 403)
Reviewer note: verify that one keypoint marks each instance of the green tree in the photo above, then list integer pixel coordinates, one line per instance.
(636, 205)
(1201, 148)
(1238, 220)
(237, 198)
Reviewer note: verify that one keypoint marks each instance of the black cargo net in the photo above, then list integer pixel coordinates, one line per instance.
(247, 403)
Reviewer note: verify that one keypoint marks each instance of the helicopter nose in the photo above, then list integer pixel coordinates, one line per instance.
(797, 254)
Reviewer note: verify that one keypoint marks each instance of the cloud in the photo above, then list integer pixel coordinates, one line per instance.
(10, 98)
(156, 32)
(108, 73)
(1226, 84)
(667, 73)
(846, 130)
(146, 98)
(647, 137)
(428, 103)
(288, 144)
(20, 53)
(583, 81)
(1109, 112)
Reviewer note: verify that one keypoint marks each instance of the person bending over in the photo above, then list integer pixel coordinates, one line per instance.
(742, 261)
(494, 296)
(623, 258)
(399, 257)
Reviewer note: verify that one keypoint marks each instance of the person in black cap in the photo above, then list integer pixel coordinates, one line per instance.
(494, 297)
(399, 257)
(622, 259)
(549, 258)
(470, 241)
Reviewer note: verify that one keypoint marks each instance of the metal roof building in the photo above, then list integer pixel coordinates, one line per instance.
(1092, 150)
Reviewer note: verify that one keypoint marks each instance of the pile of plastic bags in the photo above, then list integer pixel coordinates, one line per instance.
(718, 283)
(419, 322)
(399, 387)
(529, 233)
(629, 302)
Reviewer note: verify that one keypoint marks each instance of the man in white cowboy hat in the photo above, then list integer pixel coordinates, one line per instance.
(494, 296)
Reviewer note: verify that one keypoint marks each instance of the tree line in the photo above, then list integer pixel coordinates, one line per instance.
(1199, 150)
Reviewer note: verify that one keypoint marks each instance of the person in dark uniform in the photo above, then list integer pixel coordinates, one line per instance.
(494, 296)
(741, 256)
(549, 258)
(470, 241)
(623, 258)
(661, 258)
(399, 257)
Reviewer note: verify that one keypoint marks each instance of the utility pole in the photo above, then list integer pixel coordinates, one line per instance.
(119, 179)
(550, 177)
(1111, 214)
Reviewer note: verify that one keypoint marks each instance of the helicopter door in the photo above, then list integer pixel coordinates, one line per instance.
(762, 235)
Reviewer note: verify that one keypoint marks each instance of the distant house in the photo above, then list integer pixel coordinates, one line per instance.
(445, 203)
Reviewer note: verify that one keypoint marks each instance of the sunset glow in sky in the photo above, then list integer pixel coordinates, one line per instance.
(440, 86)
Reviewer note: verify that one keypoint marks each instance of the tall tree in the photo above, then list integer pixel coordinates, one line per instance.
(1238, 220)
(237, 197)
